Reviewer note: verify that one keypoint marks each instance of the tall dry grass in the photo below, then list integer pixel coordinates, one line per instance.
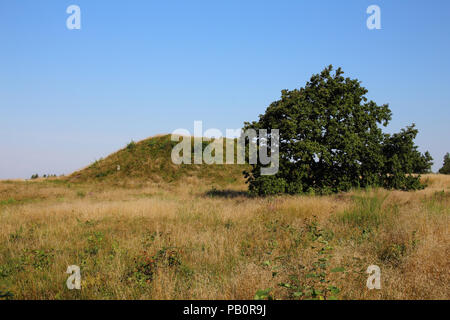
(184, 241)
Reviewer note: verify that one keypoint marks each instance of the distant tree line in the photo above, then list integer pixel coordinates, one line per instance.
(36, 176)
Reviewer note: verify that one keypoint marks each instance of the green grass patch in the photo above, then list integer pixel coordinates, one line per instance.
(8, 202)
(368, 211)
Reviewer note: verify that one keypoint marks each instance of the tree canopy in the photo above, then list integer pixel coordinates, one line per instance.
(446, 168)
(331, 140)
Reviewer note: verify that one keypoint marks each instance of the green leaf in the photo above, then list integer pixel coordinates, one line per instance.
(334, 290)
(263, 294)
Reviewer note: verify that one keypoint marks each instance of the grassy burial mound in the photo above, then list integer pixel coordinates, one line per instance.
(150, 160)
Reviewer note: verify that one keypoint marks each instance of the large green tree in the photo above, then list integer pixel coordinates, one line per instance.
(446, 168)
(331, 141)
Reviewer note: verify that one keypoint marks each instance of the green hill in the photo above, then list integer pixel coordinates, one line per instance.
(150, 160)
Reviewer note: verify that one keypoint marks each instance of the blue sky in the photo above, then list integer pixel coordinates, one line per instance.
(139, 68)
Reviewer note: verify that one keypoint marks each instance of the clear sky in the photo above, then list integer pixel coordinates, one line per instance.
(139, 68)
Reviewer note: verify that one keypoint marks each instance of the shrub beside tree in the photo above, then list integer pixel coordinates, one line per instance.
(423, 162)
(446, 168)
(331, 141)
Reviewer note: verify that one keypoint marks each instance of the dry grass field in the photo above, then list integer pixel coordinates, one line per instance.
(190, 240)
